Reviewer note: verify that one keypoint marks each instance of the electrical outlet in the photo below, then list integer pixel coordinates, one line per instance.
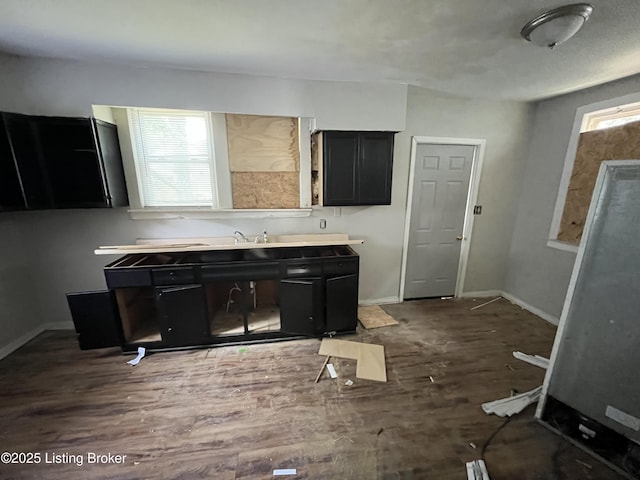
(323, 223)
(477, 210)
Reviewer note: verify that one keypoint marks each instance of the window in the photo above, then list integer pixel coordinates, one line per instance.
(604, 131)
(611, 117)
(174, 157)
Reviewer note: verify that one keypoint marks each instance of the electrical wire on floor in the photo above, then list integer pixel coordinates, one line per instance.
(561, 445)
(492, 436)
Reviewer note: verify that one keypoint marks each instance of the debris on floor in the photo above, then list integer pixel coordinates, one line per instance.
(285, 471)
(512, 405)
(370, 357)
(141, 353)
(485, 303)
(477, 470)
(243, 350)
(348, 383)
(324, 364)
(332, 370)
(536, 360)
(372, 316)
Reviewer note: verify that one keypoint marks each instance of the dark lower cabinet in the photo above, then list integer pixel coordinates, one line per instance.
(96, 319)
(341, 299)
(301, 306)
(177, 300)
(182, 315)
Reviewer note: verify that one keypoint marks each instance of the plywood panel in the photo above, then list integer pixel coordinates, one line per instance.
(262, 144)
(265, 189)
(618, 143)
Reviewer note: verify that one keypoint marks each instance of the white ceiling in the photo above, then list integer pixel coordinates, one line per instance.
(468, 47)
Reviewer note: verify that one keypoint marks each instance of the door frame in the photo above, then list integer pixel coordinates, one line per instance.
(472, 198)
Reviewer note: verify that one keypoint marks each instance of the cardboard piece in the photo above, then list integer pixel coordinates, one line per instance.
(371, 362)
(373, 316)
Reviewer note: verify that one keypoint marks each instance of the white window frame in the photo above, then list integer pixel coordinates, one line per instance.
(217, 197)
(222, 173)
(584, 115)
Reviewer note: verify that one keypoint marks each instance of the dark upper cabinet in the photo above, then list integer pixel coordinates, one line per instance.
(60, 162)
(356, 167)
(11, 197)
(79, 172)
(22, 133)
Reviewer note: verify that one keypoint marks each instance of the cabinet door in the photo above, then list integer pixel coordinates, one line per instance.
(95, 316)
(340, 163)
(342, 303)
(183, 315)
(27, 153)
(71, 158)
(375, 168)
(301, 308)
(109, 152)
(10, 189)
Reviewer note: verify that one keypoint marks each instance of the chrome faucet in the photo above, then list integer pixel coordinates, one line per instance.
(236, 239)
(264, 236)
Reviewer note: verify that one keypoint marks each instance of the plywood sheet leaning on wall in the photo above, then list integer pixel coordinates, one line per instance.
(617, 143)
(259, 143)
(266, 189)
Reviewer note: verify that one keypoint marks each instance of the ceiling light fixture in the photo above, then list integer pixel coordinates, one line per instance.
(558, 25)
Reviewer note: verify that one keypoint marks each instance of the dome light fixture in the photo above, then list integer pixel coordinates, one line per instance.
(558, 25)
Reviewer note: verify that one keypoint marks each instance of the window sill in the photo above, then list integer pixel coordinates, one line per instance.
(161, 213)
(564, 246)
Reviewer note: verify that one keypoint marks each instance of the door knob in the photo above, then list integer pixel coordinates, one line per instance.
(459, 237)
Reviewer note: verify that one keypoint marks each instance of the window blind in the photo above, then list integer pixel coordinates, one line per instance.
(173, 157)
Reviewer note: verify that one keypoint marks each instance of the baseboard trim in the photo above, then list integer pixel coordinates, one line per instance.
(380, 301)
(530, 308)
(68, 325)
(20, 341)
(516, 301)
(482, 294)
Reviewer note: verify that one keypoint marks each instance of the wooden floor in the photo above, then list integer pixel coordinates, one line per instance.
(240, 413)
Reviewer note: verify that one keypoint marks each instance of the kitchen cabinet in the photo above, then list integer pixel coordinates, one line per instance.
(174, 300)
(352, 168)
(10, 189)
(59, 162)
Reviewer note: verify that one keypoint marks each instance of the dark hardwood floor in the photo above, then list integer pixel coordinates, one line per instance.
(227, 413)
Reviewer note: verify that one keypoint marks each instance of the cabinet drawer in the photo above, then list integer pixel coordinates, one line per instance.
(340, 266)
(134, 277)
(172, 276)
(244, 271)
(303, 269)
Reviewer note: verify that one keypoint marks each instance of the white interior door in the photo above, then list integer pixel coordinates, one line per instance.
(439, 200)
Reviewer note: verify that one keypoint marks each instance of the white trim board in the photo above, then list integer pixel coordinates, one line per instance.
(516, 301)
(380, 301)
(472, 198)
(20, 341)
(570, 157)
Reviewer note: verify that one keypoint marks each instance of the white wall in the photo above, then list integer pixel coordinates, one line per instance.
(64, 251)
(19, 314)
(539, 274)
(505, 126)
